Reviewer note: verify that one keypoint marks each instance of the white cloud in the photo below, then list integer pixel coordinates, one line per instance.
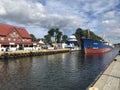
(111, 25)
(2, 11)
(22, 11)
(63, 14)
(34, 13)
(110, 14)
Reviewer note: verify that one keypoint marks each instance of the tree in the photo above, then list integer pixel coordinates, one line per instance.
(58, 37)
(64, 38)
(54, 33)
(48, 39)
(51, 32)
(33, 38)
(80, 33)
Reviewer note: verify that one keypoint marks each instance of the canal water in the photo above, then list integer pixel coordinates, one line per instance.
(65, 71)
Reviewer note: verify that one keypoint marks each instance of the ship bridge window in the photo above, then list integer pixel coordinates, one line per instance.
(95, 43)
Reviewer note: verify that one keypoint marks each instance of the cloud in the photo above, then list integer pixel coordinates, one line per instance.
(111, 25)
(63, 14)
(21, 12)
(34, 13)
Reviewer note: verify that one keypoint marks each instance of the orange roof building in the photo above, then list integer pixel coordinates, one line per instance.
(14, 35)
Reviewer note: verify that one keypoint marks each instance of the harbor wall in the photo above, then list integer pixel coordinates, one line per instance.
(22, 53)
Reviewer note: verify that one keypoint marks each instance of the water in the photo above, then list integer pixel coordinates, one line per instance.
(66, 71)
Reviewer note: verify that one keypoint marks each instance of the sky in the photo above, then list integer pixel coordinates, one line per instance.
(39, 16)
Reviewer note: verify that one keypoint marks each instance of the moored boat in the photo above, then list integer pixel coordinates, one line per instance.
(72, 43)
(93, 46)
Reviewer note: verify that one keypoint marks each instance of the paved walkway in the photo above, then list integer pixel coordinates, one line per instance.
(110, 79)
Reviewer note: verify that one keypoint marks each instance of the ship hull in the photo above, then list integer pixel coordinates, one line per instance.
(92, 46)
(96, 51)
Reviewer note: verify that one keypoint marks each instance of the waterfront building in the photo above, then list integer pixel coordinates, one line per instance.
(15, 38)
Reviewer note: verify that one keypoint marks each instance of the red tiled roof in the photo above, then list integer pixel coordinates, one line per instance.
(23, 32)
(5, 29)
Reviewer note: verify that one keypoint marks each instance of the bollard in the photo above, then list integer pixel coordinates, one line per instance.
(93, 88)
(115, 59)
(119, 52)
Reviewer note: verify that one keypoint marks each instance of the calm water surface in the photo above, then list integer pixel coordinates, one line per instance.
(66, 71)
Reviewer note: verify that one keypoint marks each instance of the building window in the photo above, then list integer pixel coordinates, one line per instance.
(28, 40)
(14, 33)
(14, 39)
(2, 38)
(9, 39)
(19, 39)
(25, 39)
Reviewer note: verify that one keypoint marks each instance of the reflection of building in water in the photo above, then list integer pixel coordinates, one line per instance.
(3, 71)
(15, 71)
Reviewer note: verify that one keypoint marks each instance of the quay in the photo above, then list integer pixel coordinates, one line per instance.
(110, 78)
(22, 53)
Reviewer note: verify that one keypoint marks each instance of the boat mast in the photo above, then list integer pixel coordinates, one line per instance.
(88, 33)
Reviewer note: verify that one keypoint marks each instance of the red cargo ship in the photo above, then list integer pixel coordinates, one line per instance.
(93, 46)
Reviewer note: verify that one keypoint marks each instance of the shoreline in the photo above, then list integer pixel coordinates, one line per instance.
(22, 53)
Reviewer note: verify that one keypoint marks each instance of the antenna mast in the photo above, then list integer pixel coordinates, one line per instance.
(88, 30)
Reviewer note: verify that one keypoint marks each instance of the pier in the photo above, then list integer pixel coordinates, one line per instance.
(110, 78)
(22, 53)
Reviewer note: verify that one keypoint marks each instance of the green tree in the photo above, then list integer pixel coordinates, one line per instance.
(54, 33)
(92, 35)
(58, 37)
(80, 33)
(51, 32)
(48, 39)
(33, 38)
(64, 38)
